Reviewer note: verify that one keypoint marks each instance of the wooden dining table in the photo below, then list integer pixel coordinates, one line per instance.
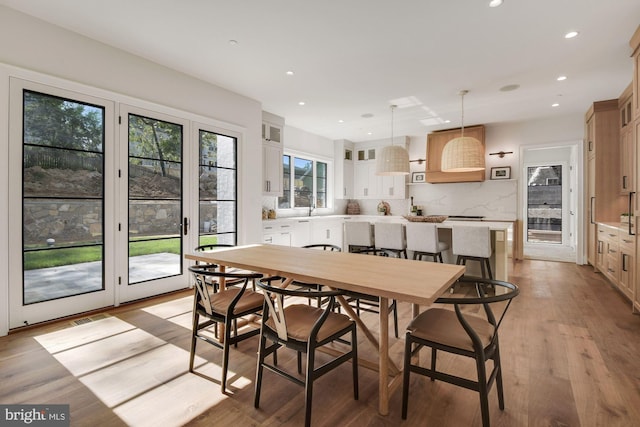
(415, 282)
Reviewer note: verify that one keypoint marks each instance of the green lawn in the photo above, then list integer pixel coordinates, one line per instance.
(55, 257)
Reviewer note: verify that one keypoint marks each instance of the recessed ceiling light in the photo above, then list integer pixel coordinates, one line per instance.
(289, 73)
(495, 3)
(571, 34)
(340, 121)
(555, 105)
(369, 133)
(301, 103)
(447, 121)
(509, 88)
(233, 42)
(561, 78)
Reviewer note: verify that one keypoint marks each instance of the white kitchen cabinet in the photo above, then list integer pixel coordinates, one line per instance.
(343, 174)
(301, 232)
(327, 231)
(369, 185)
(271, 169)
(277, 234)
(272, 132)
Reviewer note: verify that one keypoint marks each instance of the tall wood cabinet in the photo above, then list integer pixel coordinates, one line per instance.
(634, 128)
(605, 202)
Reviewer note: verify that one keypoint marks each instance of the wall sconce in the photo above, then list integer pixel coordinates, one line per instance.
(501, 153)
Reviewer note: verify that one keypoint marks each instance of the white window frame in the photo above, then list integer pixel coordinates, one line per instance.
(330, 199)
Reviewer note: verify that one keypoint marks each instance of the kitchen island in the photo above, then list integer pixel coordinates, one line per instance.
(299, 231)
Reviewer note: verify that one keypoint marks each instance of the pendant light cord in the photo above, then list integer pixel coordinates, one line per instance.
(392, 108)
(462, 94)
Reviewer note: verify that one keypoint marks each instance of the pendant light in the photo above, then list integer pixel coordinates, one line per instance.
(462, 154)
(393, 159)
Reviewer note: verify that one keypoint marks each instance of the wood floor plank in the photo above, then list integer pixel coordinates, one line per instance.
(570, 349)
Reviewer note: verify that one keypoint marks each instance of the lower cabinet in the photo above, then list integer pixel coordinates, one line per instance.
(277, 234)
(301, 232)
(616, 258)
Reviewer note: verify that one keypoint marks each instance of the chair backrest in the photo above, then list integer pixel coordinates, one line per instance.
(204, 275)
(489, 293)
(471, 240)
(209, 248)
(212, 247)
(358, 233)
(324, 247)
(274, 304)
(389, 235)
(422, 237)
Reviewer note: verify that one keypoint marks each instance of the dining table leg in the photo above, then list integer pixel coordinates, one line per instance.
(383, 386)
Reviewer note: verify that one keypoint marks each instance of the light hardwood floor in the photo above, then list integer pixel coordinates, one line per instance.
(570, 349)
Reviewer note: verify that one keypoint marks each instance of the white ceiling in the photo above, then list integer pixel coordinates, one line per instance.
(353, 57)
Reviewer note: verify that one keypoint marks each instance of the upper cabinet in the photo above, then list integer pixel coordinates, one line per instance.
(271, 133)
(627, 145)
(602, 132)
(272, 151)
(367, 184)
(635, 49)
(343, 183)
(435, 144)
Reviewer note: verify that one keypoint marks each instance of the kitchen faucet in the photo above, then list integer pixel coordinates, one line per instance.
(312, 207)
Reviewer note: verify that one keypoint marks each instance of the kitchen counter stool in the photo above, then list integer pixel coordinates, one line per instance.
(422, 239)
(473, 243)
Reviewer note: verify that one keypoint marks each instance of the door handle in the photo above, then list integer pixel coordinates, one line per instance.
(631, 233)
(185, 226)
(591, 218)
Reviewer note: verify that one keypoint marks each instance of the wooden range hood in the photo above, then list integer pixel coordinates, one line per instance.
(435, 144)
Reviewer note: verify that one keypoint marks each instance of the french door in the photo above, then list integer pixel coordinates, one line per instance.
(97, 200)
(61, 155)
(152, 203)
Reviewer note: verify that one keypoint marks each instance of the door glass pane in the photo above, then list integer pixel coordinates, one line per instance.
(544, 204)
(63, 207)
(217, 189)
(155, 199)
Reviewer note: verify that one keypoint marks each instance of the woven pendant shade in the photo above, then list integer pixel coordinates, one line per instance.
(393, 160)
(464, 154)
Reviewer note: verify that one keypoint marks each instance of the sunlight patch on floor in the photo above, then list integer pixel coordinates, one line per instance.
(141, 377)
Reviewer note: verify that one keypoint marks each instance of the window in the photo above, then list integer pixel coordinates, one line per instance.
(305, 183)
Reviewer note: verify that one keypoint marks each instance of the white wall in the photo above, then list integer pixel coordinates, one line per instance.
(495, 199)
(28, 44)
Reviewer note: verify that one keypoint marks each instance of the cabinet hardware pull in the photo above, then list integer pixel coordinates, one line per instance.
(624, 262)
(631, 194)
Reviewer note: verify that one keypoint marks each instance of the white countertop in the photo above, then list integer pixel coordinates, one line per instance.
(493, 225)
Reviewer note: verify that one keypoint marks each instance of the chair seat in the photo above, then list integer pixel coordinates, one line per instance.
(220, 301)
(442, 326)
(301, 318)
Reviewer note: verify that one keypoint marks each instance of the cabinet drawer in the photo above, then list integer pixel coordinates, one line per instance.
(627, 243)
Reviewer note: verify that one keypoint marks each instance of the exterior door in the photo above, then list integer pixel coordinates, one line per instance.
(153, 222)
(61, 155)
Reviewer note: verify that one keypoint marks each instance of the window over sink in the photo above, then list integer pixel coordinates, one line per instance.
(305, 182)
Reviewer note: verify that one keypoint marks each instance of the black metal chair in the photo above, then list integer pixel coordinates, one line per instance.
(224, 307)
(210, 247)
(303, 328)
(323, 247)
(371, 303)
(464, 334)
